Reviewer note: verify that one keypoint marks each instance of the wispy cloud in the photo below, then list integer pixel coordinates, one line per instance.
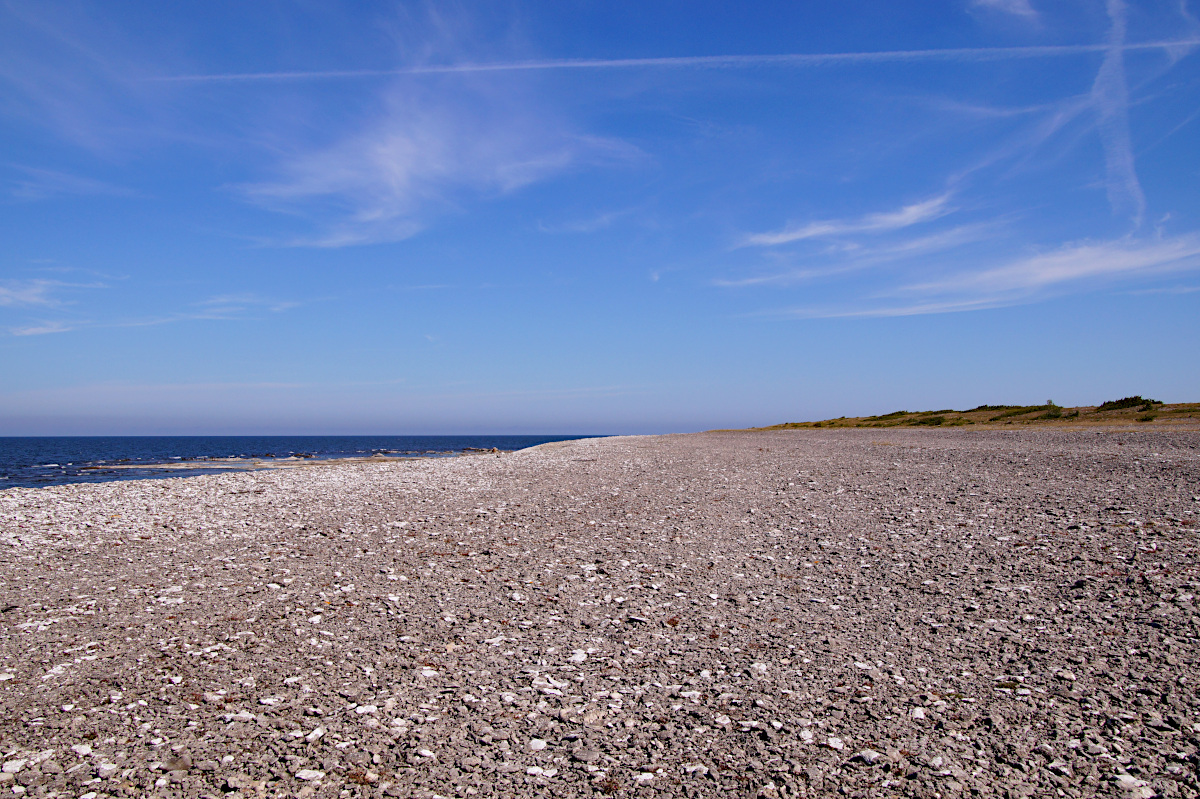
(1167, 290)
(983, 111)
(715, 62)
(1111, 96)
(37, 292)
(1104, 108)
(909, 215)
(42, 329)
(1189, 119)
(1072, 263)
(1079, 266)
(73, 71)
(219, 308)
(885, 311)
(229, 305)
(1018, 8)
(855, 257)
(45, 295)
(43, 184)
(588, 225)
(424, 156)
(1021, 147)
(27, 292)
(225, 307)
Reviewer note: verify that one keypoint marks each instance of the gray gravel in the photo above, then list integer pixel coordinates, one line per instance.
(803, 613)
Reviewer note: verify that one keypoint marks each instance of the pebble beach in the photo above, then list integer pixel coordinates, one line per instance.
(799, 613)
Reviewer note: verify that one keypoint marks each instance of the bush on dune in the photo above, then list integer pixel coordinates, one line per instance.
(1136, 401)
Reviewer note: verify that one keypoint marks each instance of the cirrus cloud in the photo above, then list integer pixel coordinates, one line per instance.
(1080, 266)
(883, 222)
(425, 155)
(1073, 262)
(1018, 8)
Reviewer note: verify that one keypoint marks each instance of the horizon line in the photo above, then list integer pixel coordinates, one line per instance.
(786, 59)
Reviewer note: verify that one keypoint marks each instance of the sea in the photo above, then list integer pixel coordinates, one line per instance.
(58, 460)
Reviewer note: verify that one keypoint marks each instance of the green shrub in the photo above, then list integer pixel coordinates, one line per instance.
(933, 420)
(1128, 402)
(1148, 417)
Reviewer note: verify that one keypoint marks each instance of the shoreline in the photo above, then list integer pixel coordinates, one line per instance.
(37, 462)
(781, 614)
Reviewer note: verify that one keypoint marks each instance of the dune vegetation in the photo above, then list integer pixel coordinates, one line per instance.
(1125, 410)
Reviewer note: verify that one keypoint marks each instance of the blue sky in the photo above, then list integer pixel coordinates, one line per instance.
(291, 217)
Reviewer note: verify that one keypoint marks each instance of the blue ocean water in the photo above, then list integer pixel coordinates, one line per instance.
(53, 460)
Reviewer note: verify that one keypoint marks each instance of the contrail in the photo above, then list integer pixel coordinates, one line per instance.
(717, 61)
(1111, 96)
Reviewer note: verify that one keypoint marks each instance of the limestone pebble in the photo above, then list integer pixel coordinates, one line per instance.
(885, 612)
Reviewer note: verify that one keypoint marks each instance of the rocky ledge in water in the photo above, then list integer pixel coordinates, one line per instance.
(795, 613)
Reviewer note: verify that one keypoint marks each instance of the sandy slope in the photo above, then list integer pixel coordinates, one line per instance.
(799, 613)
